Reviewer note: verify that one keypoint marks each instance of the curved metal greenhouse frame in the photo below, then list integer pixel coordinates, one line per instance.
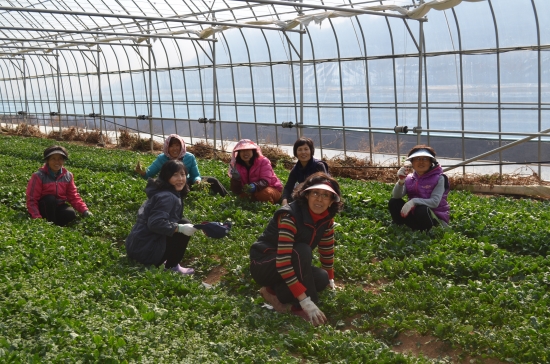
(471, 78)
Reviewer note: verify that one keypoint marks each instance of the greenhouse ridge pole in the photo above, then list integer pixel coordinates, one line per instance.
(135, 18)
(324, 7)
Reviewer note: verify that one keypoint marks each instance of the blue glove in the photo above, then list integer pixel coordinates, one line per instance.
(251, 188)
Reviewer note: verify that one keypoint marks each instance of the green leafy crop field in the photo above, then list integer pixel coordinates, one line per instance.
(481, 287)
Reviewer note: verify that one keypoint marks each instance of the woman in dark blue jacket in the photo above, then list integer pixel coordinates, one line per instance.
(160, 234)
(306, 166)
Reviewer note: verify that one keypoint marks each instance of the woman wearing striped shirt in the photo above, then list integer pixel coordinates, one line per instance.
(281, 258)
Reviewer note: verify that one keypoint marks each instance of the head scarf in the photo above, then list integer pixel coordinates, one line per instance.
(167, 144)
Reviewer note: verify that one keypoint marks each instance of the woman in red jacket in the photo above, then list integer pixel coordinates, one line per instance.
(52, 187)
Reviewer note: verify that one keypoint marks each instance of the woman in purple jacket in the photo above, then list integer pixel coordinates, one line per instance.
(426, 188)
(252, 175)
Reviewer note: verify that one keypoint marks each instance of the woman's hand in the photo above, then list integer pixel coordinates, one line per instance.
(285, 202)
(407, 208)
(139, 169)
(316, 316)
(404, 171)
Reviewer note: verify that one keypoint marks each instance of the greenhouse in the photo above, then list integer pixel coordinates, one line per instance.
(347, 75)
(366, 81)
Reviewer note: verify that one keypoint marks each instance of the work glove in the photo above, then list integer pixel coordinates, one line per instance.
(251, 188)
(235, 173)
(403, 172)
(407, 208)
(316, 316)
(87, 213)
(139, 169)
(331, 284)
(186, 229)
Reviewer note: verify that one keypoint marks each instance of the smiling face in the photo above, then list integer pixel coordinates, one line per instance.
(174, 148)
(421, 165)
(303, 153)
(246, 155)
(319, 200)
(178, 180)
(55, 162)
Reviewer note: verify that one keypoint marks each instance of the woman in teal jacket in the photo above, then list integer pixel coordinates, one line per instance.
(174, 149)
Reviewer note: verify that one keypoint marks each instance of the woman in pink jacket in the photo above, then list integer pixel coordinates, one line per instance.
(52, 187)
(252, 175)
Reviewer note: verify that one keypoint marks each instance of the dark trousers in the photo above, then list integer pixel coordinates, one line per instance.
(58, 214)
(314, 279)
(420, 218)
(176, 245)
(216, 186)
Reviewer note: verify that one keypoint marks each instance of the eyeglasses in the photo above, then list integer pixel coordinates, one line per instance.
(323, 196)
(422, 159)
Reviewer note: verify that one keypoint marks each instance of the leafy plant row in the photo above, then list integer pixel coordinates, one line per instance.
(70, 294)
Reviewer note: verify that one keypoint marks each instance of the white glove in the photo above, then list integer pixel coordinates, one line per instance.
(403, 172)
(407, 208)
(316, 316)
(331, 284)
(186, 229)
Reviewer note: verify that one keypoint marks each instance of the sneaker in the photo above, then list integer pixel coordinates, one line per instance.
(274, 301)
(181, 270)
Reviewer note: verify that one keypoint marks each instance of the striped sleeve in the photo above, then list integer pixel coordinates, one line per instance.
(326, 250)
(287, 230)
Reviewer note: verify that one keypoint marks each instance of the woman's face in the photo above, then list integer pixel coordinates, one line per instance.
(303, 153)
(421, 165)
(174, 148)
(178, 180)
(246, 155)
(55, 162)
(319, 200)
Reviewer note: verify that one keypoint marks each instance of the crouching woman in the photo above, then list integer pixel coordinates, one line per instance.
(281, 258)
(161, 234)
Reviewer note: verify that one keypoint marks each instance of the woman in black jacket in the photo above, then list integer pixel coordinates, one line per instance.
(160, 234)
(307, 165)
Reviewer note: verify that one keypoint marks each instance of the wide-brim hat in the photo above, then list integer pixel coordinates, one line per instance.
(421, 153)
(326, 187)
(215, 230)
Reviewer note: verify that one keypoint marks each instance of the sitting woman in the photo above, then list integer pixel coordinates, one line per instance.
(161, 234)
(252, 175)
(281, 258)
(426, 188)
(174, 149)
(307, 165)
(49, 190)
